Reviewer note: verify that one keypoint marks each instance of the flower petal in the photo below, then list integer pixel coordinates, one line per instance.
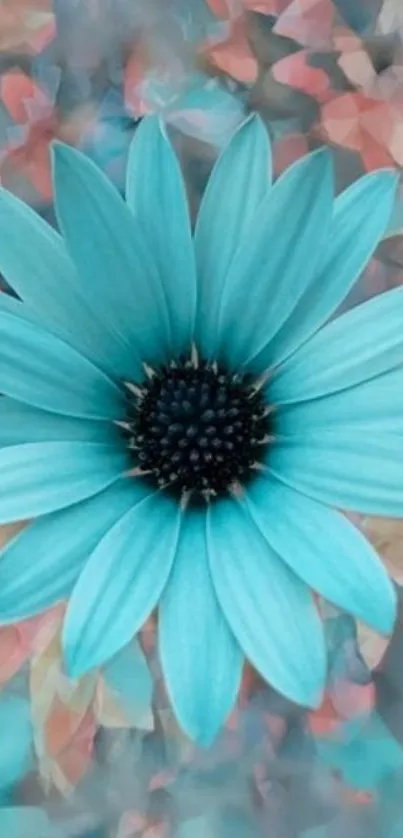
(325, 550)
(361, 215)
(279, 260)
(156, 193)
(38, 478)
(359, 345)
(200, 657)
(34, 260)
(111, 257)
(348, 470)
(10, 305)
(39, 369)
(20, 423)
(41, 564)
(375, 407)
(222, 225)
(269, 609)
(121, 583)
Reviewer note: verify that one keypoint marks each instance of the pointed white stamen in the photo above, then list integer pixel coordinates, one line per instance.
(185, 498)
(194, 356)
(208, 494)
(126, 426)
(259, 383)
(150, 373)
(137, 391)
(138, 472)
(236, 489)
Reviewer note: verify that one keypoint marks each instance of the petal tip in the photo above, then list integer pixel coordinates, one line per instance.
(59, 149)
(203, 736)
(315, 698)
(388, 174)
(151, 126)
(387, 181)
(386, 617)
(196, 726)
(306, 693)
(251, 127)
(62, 155)
(323, 158)
(253, 120)
(74, 667)
(205, 741)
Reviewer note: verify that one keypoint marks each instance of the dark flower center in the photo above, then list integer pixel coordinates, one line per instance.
(195, 428)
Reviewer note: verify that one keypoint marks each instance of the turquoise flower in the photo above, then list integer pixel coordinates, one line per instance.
(181, 429)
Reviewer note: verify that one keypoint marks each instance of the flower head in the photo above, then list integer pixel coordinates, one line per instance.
(181, 427)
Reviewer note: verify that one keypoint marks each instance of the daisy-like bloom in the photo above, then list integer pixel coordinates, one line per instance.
(182, 430)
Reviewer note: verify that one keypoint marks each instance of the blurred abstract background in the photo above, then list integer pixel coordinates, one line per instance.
(104, 758)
